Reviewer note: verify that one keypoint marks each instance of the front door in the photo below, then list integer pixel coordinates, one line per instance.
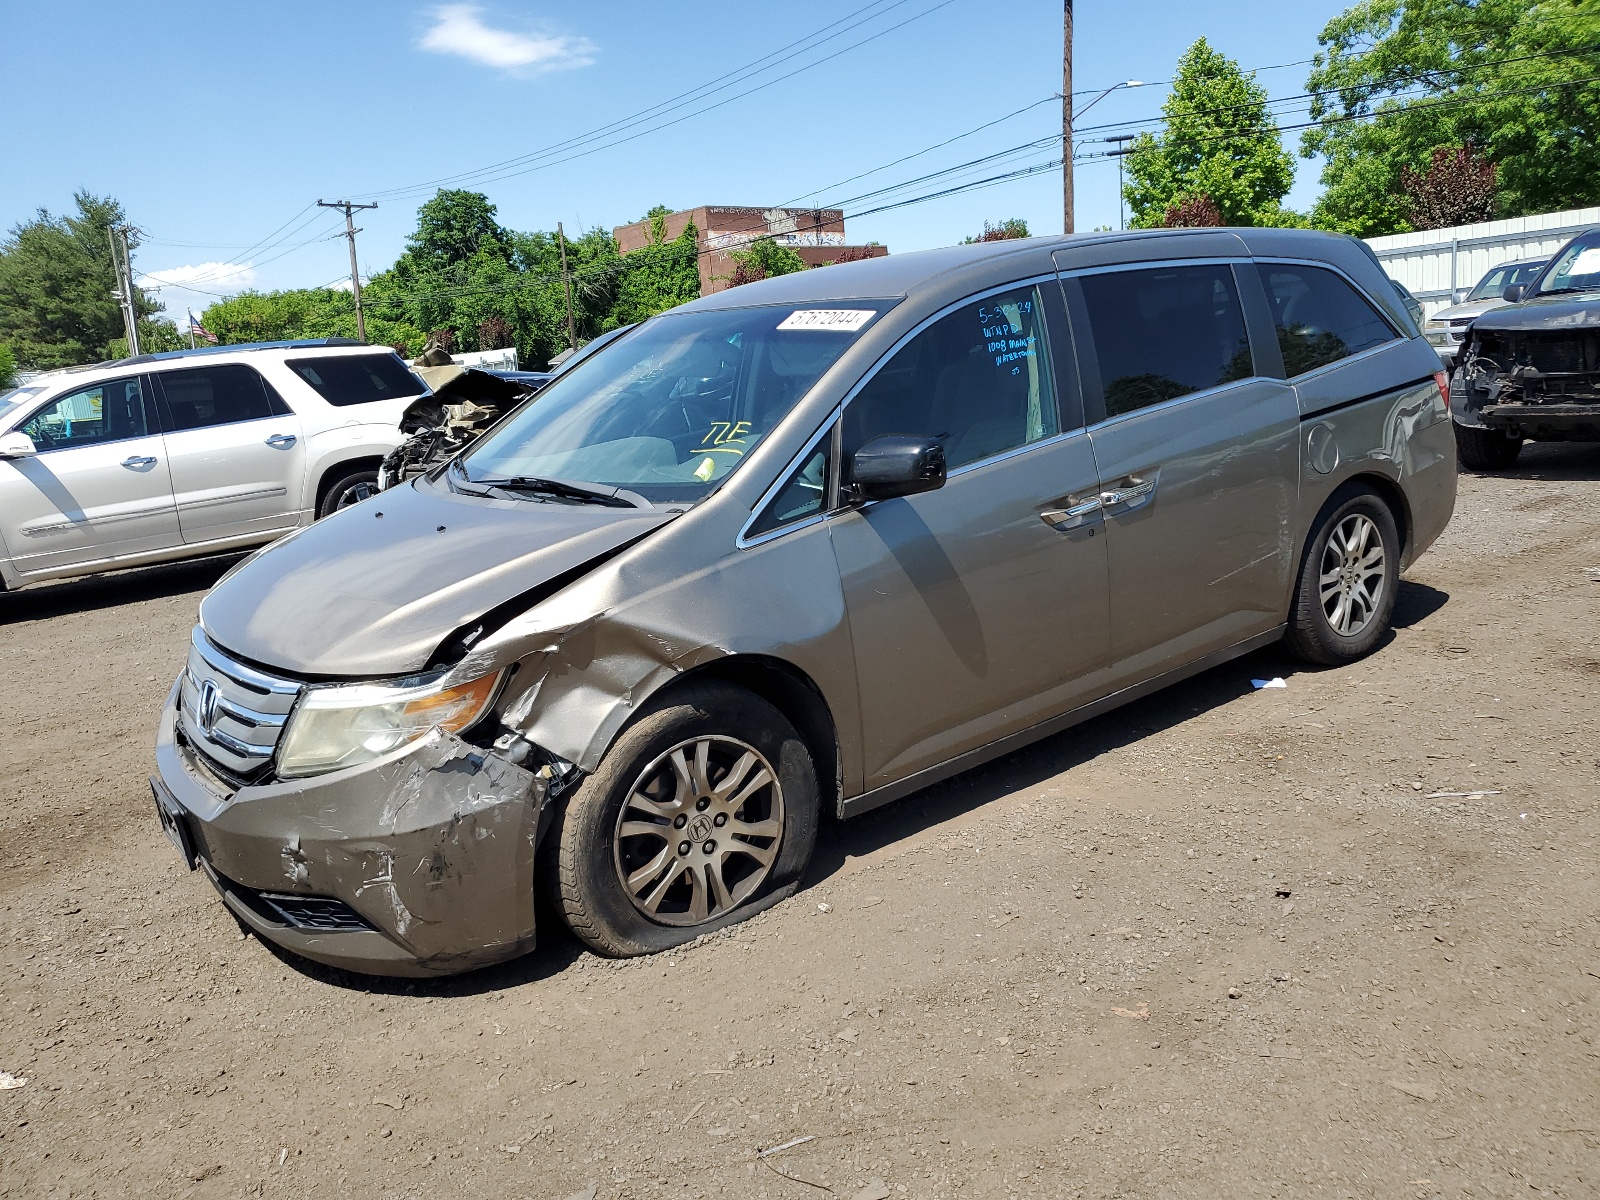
(1198, 460)
(237, 453)
(979, 609)
(98, 489)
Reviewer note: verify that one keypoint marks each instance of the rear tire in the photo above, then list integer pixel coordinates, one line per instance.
(348, 489)
(1485, 449)
(676, 834)
(1345, 594)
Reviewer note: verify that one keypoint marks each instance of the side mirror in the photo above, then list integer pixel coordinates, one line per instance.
(1512, 294)
(897, 465)
(17, 445)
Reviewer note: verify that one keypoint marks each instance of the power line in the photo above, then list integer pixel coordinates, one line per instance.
(1376, 114)
(721, 82)
(1375, 87)
(540, 166)
(918, 154)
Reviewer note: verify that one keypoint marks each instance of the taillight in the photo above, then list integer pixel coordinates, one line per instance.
(1442, 378)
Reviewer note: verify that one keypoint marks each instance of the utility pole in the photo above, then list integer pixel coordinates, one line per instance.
(1067, 202)
(1120, 153)
(566, 282)
(350, 232)
(124, 293)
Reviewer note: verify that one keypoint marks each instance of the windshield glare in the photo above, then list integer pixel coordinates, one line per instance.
(670, 410)
(1492, 285)
(1576, 268)
(11, 399)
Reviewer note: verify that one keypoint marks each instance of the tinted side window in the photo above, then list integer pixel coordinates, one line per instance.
(979, 379)
(357, 378)
(204, 396)
(1164, 332)
(803, 494)
(1320, 317)
(106, 412)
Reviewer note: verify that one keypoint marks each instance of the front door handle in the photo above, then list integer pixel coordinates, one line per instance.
(281, 439)
(1071, 516)
(139, 460)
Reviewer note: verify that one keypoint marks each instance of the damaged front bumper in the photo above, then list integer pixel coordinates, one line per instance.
(420, 863)
(1530, 383)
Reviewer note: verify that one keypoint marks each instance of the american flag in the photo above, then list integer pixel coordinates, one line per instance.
(199, 330)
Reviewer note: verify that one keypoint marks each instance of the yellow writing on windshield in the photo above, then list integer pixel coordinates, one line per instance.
(726, 437)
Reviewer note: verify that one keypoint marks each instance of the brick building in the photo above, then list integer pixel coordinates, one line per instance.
(815, 234)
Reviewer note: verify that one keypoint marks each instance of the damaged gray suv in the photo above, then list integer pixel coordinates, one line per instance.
(788, 551)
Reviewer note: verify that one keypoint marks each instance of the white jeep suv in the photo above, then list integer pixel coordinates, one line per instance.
(186, 453)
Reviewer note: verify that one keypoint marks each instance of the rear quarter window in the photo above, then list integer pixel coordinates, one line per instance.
(1320, 318)
(346, 379)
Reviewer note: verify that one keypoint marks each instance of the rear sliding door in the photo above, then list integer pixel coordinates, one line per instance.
(1196, 446)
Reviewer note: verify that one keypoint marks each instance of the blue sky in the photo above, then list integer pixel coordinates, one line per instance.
(217, 125)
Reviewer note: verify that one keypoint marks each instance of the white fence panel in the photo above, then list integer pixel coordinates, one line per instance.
(1440, 265)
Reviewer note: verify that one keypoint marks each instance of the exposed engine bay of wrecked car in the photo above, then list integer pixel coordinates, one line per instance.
(462, 406)
(1532, 382)
(1532, 369)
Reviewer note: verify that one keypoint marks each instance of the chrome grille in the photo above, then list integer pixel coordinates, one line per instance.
(231, 713)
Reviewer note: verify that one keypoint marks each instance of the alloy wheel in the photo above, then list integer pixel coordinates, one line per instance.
(699, 831)
(1353, 570)
(356, 493)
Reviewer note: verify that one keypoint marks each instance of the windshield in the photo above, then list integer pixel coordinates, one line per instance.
(670, 410)
(1575, 269)
(1498, 280)
(16, 396)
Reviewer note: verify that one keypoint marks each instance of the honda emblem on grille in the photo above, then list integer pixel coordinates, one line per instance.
(208, 707)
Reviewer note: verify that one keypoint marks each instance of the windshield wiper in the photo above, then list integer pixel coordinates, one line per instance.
(1563, 291)
(544, 486)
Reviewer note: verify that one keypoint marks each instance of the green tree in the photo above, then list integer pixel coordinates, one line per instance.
(454, 227)
(1400, 79)
(763, 259)
(1219, 142)
(8, 367)
(463, 273)
(302, 313)
(1007, 230)
(657, 277)
(56, 285)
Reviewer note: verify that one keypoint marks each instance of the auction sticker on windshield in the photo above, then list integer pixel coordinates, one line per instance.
(828, 320)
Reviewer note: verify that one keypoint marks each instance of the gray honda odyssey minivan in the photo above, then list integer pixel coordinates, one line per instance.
(797, 548)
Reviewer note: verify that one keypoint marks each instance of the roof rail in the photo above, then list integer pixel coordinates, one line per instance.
(202, 351)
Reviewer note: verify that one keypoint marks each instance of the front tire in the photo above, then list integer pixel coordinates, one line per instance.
(1345, 595)
(349, 489)
(1485, 449)
(703, 813)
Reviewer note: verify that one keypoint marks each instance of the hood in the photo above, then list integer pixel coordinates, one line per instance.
(1554, 313)
(372, 590)
(1472, 308)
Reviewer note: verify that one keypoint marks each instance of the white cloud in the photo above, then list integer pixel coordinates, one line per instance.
(195, 286)
(458, 30)
(212, 276)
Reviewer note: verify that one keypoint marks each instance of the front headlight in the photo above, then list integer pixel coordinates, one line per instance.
(344, 725)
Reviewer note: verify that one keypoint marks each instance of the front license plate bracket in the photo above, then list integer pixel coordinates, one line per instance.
(174, 823)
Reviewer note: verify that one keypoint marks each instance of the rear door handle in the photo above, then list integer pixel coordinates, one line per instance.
(1128, 490)
(139, 460)
(281, 439)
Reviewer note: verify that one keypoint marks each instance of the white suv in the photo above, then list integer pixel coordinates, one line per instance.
(171, 455)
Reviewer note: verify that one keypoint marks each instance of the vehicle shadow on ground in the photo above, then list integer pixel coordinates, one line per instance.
(1554, 461)
(43, 601)
(839, 842)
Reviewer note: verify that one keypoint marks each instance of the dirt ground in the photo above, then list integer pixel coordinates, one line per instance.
(1223, 942)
